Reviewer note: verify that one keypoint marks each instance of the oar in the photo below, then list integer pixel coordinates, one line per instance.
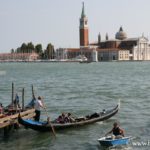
(48, 118)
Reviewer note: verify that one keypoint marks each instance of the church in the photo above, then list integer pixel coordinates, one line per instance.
(121, 48)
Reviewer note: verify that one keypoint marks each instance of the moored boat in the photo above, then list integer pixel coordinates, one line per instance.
(110, 142)
(80, 121)
(85, 61)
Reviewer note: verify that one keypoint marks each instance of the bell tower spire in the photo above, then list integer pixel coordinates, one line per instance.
(84, 31)
(83, 13)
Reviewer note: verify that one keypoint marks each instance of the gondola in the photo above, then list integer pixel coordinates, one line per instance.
(80, 121)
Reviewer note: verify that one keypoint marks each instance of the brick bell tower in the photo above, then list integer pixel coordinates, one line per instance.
(84, 31)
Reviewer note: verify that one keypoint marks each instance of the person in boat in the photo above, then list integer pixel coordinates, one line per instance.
(65, 118)
(94, 115)
(16, 101)
(70, 118)
(59, 119)
(116, 131)
(104, 111)
(1, 108)
(38, 105)
(31, 103)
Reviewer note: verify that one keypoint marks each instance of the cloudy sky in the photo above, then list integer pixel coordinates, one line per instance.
(57, 21)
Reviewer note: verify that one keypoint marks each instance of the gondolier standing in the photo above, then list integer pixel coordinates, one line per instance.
(37, 105)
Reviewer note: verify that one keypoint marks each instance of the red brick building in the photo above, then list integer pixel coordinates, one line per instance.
(84, 49)
(84, 31)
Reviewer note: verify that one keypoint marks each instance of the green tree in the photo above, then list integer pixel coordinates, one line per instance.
(38, 49)
(42, 55)
(49, 52)
(12, 50)
(23, 48)
(30, 47)
(18, 50)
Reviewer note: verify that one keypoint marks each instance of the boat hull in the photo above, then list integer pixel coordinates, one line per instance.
(108, 142)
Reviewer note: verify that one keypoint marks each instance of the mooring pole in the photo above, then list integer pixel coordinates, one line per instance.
(23, 99)
(12, 98)
(32, 91)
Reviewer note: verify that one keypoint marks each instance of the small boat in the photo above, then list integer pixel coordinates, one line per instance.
(80, 121)
(84, 61)
(109, 142)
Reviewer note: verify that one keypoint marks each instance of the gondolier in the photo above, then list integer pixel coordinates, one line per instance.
(38, 105)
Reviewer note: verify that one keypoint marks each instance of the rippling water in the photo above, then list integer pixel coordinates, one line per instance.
(80, 89)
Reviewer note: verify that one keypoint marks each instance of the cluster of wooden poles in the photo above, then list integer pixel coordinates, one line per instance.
(10, 120)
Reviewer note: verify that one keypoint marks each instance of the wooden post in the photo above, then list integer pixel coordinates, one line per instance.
(12, 98)
(33, 92)
(23, 99)
(5, 131)
(32, 89)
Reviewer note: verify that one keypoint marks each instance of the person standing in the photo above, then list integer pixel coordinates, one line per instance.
(38, 105)
(1, 108)
(16, 101)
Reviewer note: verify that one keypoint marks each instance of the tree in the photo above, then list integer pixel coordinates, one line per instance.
(23, 48)
(12, 50)
(18, 50)
(38, 49)
(30, 47)
(49, 52)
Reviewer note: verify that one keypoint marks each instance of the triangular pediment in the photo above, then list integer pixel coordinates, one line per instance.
(143, 39)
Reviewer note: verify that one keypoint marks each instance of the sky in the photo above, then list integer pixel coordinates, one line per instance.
(57, 21)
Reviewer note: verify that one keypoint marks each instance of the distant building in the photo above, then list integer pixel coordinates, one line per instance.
(121, 48)
(18, 56)
(61, 53)
(83, 30)
(84, 49)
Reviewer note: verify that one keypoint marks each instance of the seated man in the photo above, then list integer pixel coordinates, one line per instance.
(70, 118)
(65, 118)
(60, 119)
(94, 115)
(117, 131)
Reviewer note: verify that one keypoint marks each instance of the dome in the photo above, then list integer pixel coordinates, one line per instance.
(121, 35)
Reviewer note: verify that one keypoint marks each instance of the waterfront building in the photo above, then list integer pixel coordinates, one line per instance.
(61, 54)
(19, 56)
(120, 48)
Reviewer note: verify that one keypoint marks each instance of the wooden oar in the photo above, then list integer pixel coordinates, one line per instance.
(48, 118)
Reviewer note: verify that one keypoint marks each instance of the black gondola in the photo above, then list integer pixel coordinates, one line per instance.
(44, 126)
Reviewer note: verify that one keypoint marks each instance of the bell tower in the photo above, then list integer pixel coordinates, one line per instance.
(84, 31)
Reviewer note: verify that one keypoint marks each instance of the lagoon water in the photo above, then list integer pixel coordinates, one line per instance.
(81, 89)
